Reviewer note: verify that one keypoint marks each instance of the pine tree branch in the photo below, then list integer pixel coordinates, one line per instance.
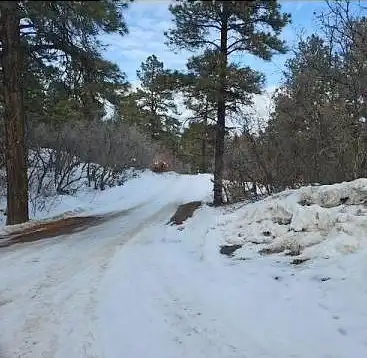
(195, 43)
(232, 47)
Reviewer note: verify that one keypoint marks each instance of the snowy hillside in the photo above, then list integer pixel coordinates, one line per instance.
(135, 286)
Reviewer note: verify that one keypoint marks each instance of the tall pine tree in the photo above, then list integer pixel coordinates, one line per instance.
(200, 86)
(45, 32)
(156, 98)
(242, 26)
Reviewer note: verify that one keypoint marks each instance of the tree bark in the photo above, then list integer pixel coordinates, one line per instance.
(15, 152)
(204, 165)
(221, 110)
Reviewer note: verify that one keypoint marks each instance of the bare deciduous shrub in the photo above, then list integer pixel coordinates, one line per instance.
(64, 157)
(95, 153)
(247, 172)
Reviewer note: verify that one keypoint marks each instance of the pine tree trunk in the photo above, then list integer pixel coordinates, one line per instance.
(221, 111)
(15, 152)
(89, 175)
(204, 166)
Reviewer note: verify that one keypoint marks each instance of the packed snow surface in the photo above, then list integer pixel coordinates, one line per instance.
(136, 287)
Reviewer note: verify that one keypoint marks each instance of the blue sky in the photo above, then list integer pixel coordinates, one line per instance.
(148, 19)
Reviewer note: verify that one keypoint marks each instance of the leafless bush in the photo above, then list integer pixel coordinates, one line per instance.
(95, 153)
(248, 174)
(64, 157)
(54, 172)
(50, 173)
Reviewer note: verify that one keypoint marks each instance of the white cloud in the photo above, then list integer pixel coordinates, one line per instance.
(147, 21)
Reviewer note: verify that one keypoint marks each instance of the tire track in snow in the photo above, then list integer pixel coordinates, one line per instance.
(61, 302)
(157, 305)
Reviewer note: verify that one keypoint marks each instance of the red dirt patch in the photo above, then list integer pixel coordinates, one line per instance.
(184, 212)
(50, 229)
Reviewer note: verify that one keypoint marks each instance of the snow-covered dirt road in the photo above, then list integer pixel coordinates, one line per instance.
(49, 300)
(135, 287)
(49, 289)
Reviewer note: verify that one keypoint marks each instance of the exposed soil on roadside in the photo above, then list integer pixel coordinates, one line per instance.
(184, 212)
(64, 226)
(46, 230)
(73, 224)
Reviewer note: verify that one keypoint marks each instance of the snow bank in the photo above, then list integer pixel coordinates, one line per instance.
(314, 221)
(329, 196)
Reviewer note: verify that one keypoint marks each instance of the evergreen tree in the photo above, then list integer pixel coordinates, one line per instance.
(199, 133)
(242, 26)
(40, 33)
(130, 112)
(316, 128)
(197, 142)
(156, 98)
(197, 90)
(203, 80)
(199, 85)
